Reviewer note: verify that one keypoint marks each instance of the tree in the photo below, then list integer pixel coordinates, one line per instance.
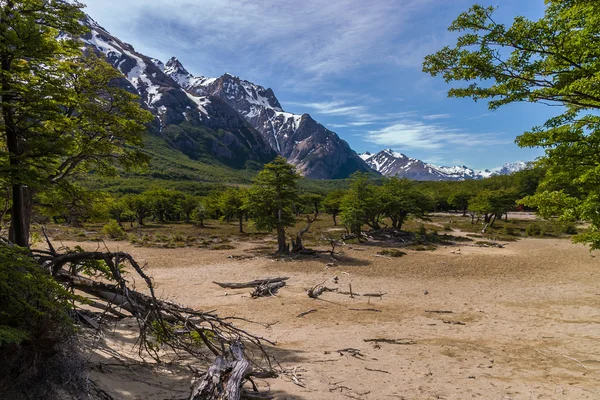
(360, 204)
(60, 111)
(554, 61)
(271, 197)
(332, 203)
(399, 198)
(233, 204)
(139, 205)
(187, 204)
(492, 204)
(312, 200)
(460, 200)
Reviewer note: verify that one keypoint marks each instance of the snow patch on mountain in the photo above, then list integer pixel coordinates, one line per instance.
(391, 163)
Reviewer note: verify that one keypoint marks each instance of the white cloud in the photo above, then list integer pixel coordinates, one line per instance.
(416, 135)
(433, 117)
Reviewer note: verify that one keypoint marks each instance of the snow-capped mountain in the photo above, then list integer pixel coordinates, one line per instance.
(510, 168)
(245, 121)
(316, 151)
(198, 126)
(391, 163)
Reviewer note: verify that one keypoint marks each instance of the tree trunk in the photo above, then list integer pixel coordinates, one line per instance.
(20, 217)
(281, 242)
(241, 221)
(334, 219)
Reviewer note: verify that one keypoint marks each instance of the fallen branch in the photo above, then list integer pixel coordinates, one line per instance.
(306, 313)
(267, 289)
(365, 309)
(453, 322)
(317, 290)
(377, 370)
(251, 284)
(439, 311)
(392, 341)
(179, 328)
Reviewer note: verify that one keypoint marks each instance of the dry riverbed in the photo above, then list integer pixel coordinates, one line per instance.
(519, 322)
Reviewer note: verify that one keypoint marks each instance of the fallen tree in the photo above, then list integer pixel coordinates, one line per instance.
(102, 276)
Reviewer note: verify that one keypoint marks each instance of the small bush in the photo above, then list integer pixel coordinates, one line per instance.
(392, 253)
(447, 228)
(113, 230)
(422, 247)
(222, 247)
(534, 229)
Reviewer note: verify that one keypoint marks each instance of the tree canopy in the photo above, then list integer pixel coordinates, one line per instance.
(555, 61)
(60, 109)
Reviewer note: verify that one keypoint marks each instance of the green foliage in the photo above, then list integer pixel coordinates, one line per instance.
(114, 230)
(553, 60)
(360, 204)
(32, 303)
(399, 198)
(271, 197)
(392, 253)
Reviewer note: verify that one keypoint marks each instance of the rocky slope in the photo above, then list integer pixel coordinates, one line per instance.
(316, 151)
(227, 118)
(391, 163)
(202, 127)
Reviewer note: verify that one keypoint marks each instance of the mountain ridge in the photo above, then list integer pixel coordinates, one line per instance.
(234, 120)
(391, 163)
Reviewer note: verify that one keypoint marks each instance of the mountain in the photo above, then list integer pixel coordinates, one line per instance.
(391, 163)
(316, 151)
(225, 120)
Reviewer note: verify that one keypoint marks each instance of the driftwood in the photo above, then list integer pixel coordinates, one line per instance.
(317, 290)
(251, 284)
(225, 378)
(267, 289)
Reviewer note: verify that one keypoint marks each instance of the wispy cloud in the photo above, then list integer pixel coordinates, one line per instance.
(417, 135)
(433, 117)
(339, 108)
(312, 37)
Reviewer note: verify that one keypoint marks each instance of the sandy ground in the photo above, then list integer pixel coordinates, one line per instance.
(529, 319)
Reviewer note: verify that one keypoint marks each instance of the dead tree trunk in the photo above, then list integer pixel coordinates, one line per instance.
(297, 246)
(225, 378)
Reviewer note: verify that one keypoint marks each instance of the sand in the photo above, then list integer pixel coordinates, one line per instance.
(525, 322)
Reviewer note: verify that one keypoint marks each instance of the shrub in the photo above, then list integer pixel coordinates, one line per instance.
(113, 230)
(35, 327)
(392, 253)
(535, 229)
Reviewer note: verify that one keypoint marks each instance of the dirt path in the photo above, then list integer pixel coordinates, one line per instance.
(525, 321)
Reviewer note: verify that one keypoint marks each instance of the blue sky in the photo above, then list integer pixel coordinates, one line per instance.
(354, 65)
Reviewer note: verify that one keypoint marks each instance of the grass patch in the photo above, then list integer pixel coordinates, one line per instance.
(392, 253)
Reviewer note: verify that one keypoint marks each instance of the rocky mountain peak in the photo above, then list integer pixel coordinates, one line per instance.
(174, 66)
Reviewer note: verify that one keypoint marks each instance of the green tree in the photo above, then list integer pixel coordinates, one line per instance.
(233, 204)
(360, 204)
(60, 111)
(312, 201)
(332, 203)
(271, 197)
(460, 200)
(187, 204)
(399, 198)
(554, 60)
(492, 204)
(139, 204)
